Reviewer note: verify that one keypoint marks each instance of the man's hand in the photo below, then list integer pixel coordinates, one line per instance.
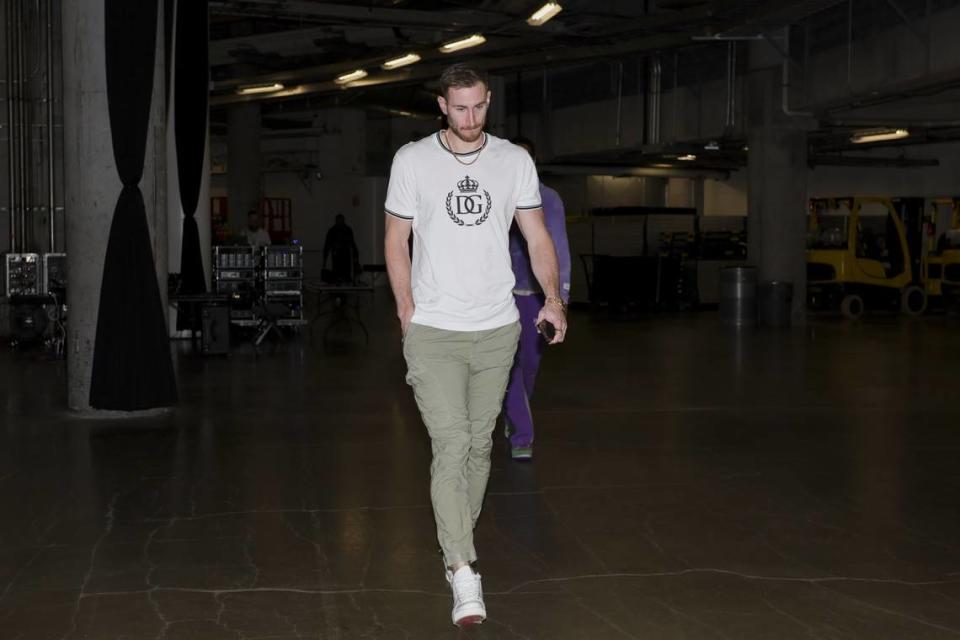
(554, 313)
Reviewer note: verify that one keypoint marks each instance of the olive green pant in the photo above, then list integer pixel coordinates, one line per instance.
(459, 379)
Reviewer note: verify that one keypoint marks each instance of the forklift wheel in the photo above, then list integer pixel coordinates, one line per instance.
(852, 306)
(913, 300)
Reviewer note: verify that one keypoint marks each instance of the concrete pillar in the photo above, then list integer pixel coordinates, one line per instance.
(777, 192)
(244, 186)
(115, 226)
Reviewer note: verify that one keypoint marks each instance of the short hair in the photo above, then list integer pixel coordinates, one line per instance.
(462, 75)
(526, 142)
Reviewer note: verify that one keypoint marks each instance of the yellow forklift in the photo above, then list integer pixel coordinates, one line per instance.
(859, 255)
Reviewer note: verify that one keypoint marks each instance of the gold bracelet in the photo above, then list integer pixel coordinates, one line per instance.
(557, 301)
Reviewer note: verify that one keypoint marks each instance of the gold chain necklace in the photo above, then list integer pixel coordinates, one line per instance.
(457, 157)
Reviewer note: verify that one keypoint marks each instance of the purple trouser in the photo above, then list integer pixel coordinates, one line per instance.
(524, 372)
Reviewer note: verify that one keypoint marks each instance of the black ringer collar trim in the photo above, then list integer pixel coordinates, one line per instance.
(457, 153)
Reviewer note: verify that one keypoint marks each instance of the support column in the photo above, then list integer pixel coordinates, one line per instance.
(777, 192)
(244, 186)
(118, 354)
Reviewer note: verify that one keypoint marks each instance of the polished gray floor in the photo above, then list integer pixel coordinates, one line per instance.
(689, 482)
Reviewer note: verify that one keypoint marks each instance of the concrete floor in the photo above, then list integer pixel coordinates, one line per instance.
(689, 482)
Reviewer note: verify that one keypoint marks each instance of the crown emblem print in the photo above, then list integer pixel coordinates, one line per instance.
(468, 185)
(469, 206)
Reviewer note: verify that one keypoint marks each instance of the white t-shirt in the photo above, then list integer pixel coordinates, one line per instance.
(461, 275)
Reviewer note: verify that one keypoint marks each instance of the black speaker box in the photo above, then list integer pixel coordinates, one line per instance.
(215, 329)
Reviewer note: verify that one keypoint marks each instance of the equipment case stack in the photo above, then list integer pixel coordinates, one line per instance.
(235, 274)
(283, 283)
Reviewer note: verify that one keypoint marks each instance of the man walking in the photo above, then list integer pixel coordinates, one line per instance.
(529, 298)
(457, 192)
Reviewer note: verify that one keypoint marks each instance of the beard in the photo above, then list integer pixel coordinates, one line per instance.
(467, 135)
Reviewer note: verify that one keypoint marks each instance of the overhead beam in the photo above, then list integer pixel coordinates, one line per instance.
(365, 15)
(826, 160)
(558, 56)
(624, 40)
(532, 39)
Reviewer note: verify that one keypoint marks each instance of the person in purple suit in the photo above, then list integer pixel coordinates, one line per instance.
(529, 299)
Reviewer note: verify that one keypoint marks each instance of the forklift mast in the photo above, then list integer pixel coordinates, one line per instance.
(912, 213)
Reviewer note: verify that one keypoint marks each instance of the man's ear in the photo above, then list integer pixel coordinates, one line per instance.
(443, 104)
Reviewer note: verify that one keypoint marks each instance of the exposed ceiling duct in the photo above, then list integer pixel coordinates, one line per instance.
(305, 45)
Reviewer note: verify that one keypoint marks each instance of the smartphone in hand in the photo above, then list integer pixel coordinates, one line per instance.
(547, 330)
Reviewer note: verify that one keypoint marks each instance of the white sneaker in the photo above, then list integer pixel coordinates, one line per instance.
(468, 607)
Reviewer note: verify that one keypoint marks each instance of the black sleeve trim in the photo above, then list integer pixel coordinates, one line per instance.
(397, 215)
(529, 208)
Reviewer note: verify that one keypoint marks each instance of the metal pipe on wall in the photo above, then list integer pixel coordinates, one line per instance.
(653, 95)
(11, 182)
(675, 95)
(51, 175)
(21, 126)
(731, 85)
(785, 80)
(619, 100)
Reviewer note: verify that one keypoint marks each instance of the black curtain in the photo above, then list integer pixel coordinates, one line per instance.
(132, 369)
(169, 9)
(191, 79)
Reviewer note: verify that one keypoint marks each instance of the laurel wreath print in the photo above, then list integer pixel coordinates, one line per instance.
(450, 210)
(480, 221)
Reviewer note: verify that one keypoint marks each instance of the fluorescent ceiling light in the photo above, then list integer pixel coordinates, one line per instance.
(401, 61)
(688, 158)
(544, 13)
(350, 77)
(268, 87)
(463, 43)
(878, 135)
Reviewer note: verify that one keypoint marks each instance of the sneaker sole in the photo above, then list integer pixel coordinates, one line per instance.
(469, 621)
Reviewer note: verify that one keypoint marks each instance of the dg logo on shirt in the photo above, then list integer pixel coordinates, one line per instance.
(467, 207)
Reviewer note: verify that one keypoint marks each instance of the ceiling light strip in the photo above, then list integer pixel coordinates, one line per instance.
(401, 61)
(463, 43)
(544, 14)
(878, 135)
(251, 89)
(350, 77)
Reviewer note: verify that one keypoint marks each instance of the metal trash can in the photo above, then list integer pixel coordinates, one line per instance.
(738, 296)
(776, 303)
